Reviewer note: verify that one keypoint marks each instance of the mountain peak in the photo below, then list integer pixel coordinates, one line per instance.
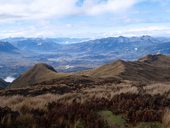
(37, 74)
(146, 37)
(43, 66)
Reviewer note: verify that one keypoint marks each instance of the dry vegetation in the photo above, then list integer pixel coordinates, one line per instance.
(17, 102)
(80, 105)
(158, 88)
(48, 111)
(166, 119)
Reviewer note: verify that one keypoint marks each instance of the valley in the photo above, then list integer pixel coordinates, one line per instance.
(76, 54)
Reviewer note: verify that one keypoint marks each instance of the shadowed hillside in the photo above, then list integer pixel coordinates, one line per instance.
(3, 84)
(156, 60)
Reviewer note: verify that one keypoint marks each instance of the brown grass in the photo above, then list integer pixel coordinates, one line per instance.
(166, 118)
(158, 88)
(81, 95)
(17, 102)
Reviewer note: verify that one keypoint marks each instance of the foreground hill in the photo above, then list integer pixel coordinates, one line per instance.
(37, 74)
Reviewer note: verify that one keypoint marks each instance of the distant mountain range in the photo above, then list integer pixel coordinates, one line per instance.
(98, 46)
(71, 54)
(122, 46)
(42, 44)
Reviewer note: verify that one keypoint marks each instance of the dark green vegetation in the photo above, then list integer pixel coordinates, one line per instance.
(112, 120)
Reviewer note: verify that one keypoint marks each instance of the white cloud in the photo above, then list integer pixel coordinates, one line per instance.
(38, 14)
(94, 7)
(9, 79)
(36, 9)
(153, 30)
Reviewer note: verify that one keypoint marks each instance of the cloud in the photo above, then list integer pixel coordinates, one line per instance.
(37, 9)
(86, 18)
(9, 79)
(94, 7)
(153, 30)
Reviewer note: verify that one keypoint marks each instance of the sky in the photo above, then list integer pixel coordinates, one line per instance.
(84, 18)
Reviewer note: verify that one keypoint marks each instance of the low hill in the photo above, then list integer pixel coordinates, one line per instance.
(37, 74)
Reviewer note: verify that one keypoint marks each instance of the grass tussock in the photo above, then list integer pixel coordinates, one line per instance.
(166, 118)
(18, 102)
(158, 88)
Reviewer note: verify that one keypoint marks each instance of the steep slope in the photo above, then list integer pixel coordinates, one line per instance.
(37, 74)
(3, 84)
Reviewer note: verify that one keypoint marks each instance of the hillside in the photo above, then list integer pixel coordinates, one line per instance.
(37, 74)
(158, 60)
(149, 68)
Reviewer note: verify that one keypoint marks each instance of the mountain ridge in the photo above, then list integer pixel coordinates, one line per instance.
(139, 71)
